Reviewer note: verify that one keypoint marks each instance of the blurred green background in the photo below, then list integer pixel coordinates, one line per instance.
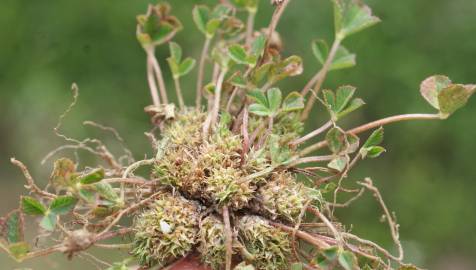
(427, 176)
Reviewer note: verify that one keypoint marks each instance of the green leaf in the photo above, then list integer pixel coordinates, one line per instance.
(329, 99)
(261, 72)
(352, 143)
(258, 96)
(339, 163)
(355, 104)
(201, 16)
(249, 5)
(342, 59)
(374, 139)
(454, 97)
(274, 99)
(92, 176)
(157, 26)
(260, 110)
(212, 27)
(19, 250)
(220, 11)
(432, 86)
(48, 222)
(175, 52)
(293, 102)
(348, 261)
(107, 192)
(257, 47)
(62, 205)
(238, 80)
(14, 227)
(408, 267)
(86, 195)
(373, 152)
(343, 95)
(279, 154)
(335, 138)
(186, 66)
(238, 54)
(331, 253)
(351, 16)
(320, 49)
(31, 206)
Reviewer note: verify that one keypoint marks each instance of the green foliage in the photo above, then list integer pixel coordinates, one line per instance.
(178, 67)
(351, 16)
(343, 58)
(157, 26)
(341, 103)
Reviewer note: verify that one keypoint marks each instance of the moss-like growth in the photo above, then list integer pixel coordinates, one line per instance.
(167, 231)
(211, 170)
(284, 198)
(269, 246)
(212, 242)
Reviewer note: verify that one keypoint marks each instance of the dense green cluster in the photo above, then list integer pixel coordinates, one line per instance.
(212, 171)
(167, 231)
(269, 247)
(284, 198)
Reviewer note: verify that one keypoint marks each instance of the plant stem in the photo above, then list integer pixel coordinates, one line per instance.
(312, 159)
(201, 71)
(302, 235)
(228, 238)
(321, 76)
(250, 27)
(312, 134)
(158, 73)
(154, 92)
(375, 124)
(213, 115)
(178, 90)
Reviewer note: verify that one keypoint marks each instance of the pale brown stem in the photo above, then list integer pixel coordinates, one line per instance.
(30, 181)
(311, 159)
(228, 238)
(201, 71)
(158, 73)
(154, 92)
(302, 235)
(312, 134)
(375, 124)
(250, 27)
(322, 76)
(213, 115)
(178, 90)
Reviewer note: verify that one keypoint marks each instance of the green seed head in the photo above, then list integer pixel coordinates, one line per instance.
(167, 231)
(212, 242)
(269, 246)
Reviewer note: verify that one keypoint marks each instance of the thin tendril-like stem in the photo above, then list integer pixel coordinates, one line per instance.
(201, 72)
(375, 124)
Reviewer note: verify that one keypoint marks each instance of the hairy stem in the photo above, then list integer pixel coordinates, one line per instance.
(375, 124)
(320, 80)
(154, 92)
(213, 115)
(201, 71)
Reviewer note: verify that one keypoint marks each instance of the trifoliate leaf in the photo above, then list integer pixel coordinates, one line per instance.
(355, 104)
(348, 261)
(62, 205)
(258, 96)
(260, 110)
(19, 250)
(257, 47)
(201, 15)
(320, 49)
(351, 16)
(274, 99)
(157, 26)
(92, 176)
(373, 152)
(432, 86)
(86, 195)
(454, 97)
(343, 96)
(212, 27)
(63, 171)
(48, 222)
(335, 138)
(375, 138)
(186, 66)
(14, 227)
(175, 52)
(31, 206)
(342, 59)
(338, 163)
(106, 191)
(293, 102)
